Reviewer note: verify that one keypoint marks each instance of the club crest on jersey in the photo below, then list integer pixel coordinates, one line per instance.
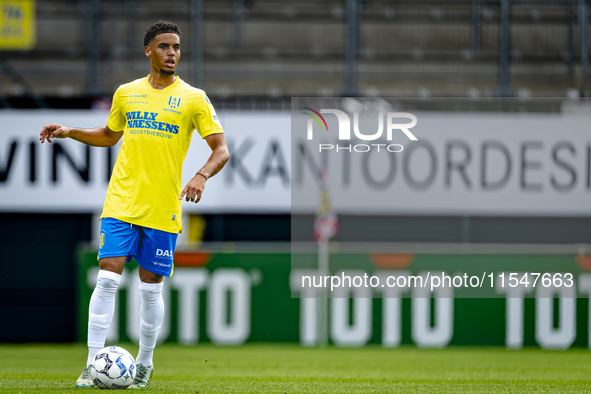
(174, 102)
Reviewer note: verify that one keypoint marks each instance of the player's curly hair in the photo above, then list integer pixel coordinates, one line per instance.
(160, 27)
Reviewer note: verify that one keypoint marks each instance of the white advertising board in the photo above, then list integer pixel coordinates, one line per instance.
(67, 176)
(461, 164)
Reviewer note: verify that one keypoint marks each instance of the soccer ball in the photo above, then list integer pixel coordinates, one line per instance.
(113, 368)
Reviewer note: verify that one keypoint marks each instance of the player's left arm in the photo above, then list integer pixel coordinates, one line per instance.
(218, 158)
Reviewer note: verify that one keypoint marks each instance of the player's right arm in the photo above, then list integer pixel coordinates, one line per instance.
(99, 136)
(103, 136)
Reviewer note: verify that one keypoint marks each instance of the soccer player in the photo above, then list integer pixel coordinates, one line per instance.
(141, 218)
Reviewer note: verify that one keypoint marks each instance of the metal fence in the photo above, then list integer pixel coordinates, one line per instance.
(264, 51)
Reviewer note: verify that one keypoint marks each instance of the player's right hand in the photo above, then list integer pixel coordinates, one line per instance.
(53, 130)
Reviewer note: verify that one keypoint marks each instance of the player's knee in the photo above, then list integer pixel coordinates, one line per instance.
(112, 264)
(150, 277)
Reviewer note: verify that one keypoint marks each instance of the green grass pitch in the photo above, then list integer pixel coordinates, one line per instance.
(291, 369)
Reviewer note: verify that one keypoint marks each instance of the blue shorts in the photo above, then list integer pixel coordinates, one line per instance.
(153, 249)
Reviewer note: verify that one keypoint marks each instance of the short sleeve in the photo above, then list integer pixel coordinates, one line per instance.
(116, 121)
(205, 120)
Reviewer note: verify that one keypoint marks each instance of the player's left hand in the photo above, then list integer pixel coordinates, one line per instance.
(192, 192)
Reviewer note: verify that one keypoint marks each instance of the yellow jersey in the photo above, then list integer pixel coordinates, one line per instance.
(157, 128)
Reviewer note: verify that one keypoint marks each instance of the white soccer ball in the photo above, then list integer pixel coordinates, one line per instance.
(113, 368)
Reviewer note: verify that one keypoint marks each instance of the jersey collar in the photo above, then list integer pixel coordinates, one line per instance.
(169, 87)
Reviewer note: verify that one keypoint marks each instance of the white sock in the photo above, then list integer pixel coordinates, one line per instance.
(101, 309)
(151, 315)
